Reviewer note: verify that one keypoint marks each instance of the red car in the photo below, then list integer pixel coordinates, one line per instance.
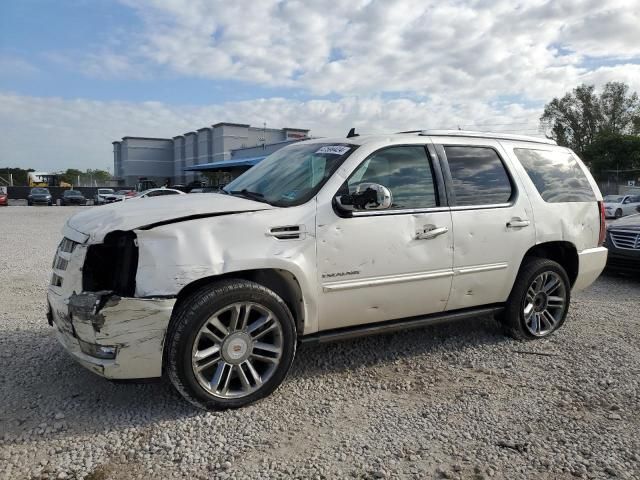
(4, 198)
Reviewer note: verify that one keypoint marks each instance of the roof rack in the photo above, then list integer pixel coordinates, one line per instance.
(476, 134)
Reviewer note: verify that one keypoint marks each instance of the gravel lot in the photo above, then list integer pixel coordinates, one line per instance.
(454, 401)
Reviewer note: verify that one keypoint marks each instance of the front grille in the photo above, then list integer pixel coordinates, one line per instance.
(60, 263)
(627, 239)
(67, 245)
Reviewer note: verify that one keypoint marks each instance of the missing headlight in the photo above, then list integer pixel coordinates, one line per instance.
(112, 265)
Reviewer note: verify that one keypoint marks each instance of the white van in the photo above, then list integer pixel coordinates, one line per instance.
(324, 240)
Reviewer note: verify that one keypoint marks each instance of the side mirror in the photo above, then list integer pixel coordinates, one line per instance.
(368, 196)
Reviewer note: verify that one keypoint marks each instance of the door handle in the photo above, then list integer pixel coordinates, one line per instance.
(430, 232)
(518, 223)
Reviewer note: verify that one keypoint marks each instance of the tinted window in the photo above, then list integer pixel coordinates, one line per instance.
(478, 176)
(556, 175)
(405, 171)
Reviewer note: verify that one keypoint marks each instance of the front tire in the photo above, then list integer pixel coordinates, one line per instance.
(229, 344)
(539, 301)
(618, 213)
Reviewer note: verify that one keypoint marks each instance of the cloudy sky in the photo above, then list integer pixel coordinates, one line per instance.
(77, 74)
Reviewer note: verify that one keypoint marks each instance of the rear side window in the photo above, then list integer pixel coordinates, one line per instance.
(478, 176)
(556, 175)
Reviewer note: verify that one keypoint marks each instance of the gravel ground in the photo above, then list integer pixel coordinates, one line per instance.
(454, 401)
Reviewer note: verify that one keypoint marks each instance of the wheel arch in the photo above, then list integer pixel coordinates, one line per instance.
(282, 282)
(562, 252)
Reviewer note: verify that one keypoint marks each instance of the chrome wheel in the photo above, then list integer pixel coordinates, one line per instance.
(544, 304)
(237, 350)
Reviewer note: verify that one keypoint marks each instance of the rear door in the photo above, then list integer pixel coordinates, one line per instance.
(491, 217)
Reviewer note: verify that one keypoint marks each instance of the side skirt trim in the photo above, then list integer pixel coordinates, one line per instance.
(400, 324)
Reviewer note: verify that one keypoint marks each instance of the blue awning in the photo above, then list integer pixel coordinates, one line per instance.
(225, 164)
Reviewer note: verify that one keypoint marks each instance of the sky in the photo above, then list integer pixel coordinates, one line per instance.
(76, 75)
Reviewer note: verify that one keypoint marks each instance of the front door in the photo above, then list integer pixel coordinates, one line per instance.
(386, 264)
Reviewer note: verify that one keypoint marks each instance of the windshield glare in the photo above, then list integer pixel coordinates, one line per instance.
(40, 191)
(72, 193)
(612, 199)
(292, 175)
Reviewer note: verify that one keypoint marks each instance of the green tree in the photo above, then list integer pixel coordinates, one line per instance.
(71, 176)
(20, 175)
(581, 116)
(613, 152)
(101, 177)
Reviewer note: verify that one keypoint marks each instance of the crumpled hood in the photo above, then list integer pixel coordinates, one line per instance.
(631, 221)
(98, 221)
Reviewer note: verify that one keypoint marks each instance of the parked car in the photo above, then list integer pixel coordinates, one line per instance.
(205, 190)
(73, 197)
(324, 240)
(616, 206)
(39, 196)
(119, 196)
(156, 192)
(4, 197)
(102, 194)
(623, 242)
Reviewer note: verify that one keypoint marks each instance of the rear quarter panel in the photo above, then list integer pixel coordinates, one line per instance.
(574, 222)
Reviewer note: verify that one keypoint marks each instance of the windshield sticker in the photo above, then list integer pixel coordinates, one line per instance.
(334, 149)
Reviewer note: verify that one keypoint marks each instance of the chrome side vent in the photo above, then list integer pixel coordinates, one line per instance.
(288, 232)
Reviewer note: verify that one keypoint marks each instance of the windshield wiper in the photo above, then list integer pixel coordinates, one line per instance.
(255, 196)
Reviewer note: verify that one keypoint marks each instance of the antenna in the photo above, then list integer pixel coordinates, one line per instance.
(352, 133)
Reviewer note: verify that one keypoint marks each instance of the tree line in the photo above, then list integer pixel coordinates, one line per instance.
(602, 128)
(72, 176)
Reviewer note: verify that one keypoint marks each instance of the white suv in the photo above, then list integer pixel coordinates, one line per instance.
(324, 240)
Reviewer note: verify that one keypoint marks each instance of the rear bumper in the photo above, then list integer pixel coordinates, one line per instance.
(136, 327)
(591, 263)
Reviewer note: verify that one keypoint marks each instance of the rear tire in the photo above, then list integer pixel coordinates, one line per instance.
(539, 301)
(229, 344)
(618, 213)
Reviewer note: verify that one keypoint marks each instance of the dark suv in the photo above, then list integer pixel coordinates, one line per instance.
(39, 196)
(73, 197)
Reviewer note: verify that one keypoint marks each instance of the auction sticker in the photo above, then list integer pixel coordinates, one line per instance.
(334, 149)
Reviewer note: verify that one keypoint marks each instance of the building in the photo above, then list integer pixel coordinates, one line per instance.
(177, 159)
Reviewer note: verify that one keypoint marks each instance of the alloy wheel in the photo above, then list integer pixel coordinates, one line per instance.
(237, 350)
(544, 304)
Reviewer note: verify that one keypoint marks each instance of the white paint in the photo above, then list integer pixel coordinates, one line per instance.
(368, 268)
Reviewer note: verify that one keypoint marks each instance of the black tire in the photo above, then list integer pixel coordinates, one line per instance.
(513, 318)
(30, 204)
(618, 213)
(191, 315)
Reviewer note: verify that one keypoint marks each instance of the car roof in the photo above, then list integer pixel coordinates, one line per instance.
(398, 137)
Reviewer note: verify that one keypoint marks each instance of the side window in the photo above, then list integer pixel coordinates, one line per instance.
(405, 171)
(556, 175)
(478, 176)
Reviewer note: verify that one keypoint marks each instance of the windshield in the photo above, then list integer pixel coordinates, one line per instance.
(122, 192)
(41, 191)
(292, 175)
(72, 193)
(613, 199)
(105, 190)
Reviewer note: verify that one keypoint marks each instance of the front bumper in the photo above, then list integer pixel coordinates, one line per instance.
(135, 326)
(591, 263)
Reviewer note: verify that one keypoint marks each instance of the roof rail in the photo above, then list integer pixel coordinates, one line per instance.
(476, 134)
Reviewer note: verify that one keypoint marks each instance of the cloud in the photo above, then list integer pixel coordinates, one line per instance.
(54, 133)
(12, 66)
(470, 48)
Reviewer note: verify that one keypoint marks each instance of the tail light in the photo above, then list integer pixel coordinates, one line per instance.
(603, 227)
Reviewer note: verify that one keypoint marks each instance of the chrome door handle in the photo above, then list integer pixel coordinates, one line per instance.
(518, 223)
(429, 233)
